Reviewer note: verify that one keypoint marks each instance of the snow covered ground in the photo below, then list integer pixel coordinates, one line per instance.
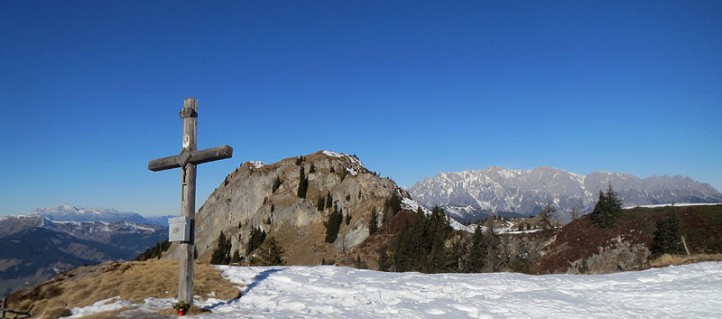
(691, 291)
(672, 204)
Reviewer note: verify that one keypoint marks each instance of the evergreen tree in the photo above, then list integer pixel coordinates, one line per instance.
(546, 217)
(329, 200)
(477, 251)
(222, 254)
(421, 246)
(359, 263)
(333, 225)
(607, 210)
(384, 261)
(303, 184)
(320, 203)
(666, 237)
(347, 220)
(255, 240)
(521, 261)
(269, 254)
(373, 222)
(154, 252)
(492, 243)
(436, 258)
(236, 257)
(392, 205)
(455, 257)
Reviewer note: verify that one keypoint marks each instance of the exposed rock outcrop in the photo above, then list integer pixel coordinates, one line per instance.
(267, 196)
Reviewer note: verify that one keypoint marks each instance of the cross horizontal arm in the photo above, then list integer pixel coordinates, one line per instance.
(197, 157)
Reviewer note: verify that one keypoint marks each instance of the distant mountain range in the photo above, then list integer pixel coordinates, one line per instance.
(474, 194)
(67, 212)
(38, 246)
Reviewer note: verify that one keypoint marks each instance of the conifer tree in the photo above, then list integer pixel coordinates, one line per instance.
(421, 245)
(329, 200)
(236, 257)
(666, 236)
(270, 254)
(546, 217)
(303, 184)
(455, 256)
(333, 225)
(320, 203)
(373, 222)
(477, 251)
(222, 254)
(359, 263)
(255, 240)
(384, 261)
(607, 210)
(154, 252)
(492, 255)
(392, 205)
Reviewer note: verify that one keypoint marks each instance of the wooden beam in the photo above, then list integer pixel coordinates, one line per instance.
(187, 160)
(197, 157)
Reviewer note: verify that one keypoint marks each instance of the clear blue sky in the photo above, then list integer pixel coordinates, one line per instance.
(91, 90)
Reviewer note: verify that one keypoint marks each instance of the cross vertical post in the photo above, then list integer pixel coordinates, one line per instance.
(188, 199)
(187, 160)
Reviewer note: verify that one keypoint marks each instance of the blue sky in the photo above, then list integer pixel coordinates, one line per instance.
(91, 90)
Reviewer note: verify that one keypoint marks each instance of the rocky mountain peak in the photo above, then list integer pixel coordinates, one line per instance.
(473, 194)
(267, 196)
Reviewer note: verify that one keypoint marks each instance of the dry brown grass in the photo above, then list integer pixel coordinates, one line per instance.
(668, 260)
(133, 281)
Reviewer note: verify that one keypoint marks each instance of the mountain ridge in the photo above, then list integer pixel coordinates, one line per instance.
(267, 197)
(474, 194)
(66, 212)
(39, 245)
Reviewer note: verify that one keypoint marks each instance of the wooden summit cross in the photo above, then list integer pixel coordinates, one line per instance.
(187, 160)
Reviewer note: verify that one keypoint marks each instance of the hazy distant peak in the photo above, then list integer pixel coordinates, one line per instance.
(493, 190)
(67, 212)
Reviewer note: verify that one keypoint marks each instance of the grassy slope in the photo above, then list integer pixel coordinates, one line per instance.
(133, 281)
(700, 225)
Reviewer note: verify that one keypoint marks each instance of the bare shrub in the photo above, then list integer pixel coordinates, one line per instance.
(620, 255)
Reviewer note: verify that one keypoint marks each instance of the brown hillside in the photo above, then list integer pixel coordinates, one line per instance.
(252, 196)
(700, 225)
(132, 281)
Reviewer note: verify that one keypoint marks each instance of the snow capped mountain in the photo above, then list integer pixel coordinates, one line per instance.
(59, 238)
(473, 194)
(67, 212)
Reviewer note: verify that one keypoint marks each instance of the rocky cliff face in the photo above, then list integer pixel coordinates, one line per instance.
(470, 195)
(252, 196)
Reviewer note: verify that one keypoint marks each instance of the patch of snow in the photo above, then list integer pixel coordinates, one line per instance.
(673, 204)
(509, 173)
(689, 291)
(257, 164)
(354, 160)
(109, 304)
(333, 154)
(67, 222)
(412, 205)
